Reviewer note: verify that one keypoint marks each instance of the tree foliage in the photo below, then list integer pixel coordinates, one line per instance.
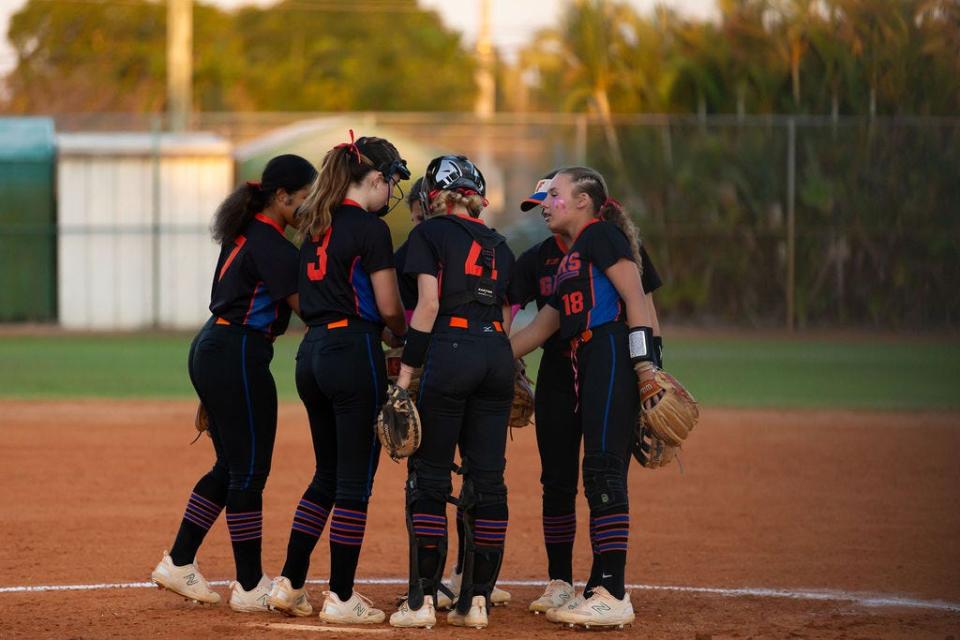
(849, 57)
(292, 56)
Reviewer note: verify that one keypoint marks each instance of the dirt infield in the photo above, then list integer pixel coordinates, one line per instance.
(839, 506)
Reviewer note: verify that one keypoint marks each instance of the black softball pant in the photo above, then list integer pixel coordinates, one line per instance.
(341, 378)
(608, 402)
(466, 392)
(558, 441)
(229, 367)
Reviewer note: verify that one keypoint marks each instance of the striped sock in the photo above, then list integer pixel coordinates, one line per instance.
(559, 532)
(610, 534)
(245, 527)
(310, 518)
(347, 527)
(308, 522)
(245, 522)
(199, 516)
(490, 533)
(430, 530)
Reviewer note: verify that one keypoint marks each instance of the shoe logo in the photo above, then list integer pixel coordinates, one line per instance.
(601, 607)
(359, 609)
(191, 579)
(564, 597)
(263, 600)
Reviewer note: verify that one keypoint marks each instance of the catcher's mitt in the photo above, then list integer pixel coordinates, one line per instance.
(522, 409)
(398, 425)
(201, 421)
(393, 370)
(649, 450)
(669, 411)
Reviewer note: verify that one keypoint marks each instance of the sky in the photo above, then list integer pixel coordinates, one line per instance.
(512, 21)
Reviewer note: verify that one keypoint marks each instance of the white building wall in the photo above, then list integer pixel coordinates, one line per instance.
(111, 220)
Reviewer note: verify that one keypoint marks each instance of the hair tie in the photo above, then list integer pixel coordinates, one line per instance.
(352, 145)
(255, 184)
(611, 201)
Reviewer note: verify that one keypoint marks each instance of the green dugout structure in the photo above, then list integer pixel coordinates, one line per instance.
(27, 220)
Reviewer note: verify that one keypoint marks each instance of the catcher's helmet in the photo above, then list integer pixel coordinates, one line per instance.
(451, 173)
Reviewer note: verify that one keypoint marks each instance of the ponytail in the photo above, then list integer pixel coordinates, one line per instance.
(589, 181)
(288, 172)
(612, 211)
(237, 210)
(345, 164)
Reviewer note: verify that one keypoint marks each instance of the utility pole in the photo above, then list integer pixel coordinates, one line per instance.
(486, 85)
(179, 63)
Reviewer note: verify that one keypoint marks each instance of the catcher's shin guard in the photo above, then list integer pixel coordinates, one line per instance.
(425, 531)
(483, 537)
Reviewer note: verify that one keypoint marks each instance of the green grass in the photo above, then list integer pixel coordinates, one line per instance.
(731, 372)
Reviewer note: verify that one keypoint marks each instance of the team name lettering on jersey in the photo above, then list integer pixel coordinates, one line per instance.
(569, 267)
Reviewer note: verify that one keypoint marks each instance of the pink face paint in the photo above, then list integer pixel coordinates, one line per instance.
(559, 204)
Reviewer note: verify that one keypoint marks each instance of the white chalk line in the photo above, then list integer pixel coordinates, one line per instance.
(826, 595)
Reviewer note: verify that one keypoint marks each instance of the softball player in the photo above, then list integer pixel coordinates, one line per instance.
(558, 426)
(254, 289)
(447, 593)
(459, 335)
(596, 286)
(348, 292)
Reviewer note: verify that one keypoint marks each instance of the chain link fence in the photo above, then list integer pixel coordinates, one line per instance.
(754, 221)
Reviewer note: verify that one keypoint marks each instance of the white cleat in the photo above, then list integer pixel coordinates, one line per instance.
(253, 601)
(600, 610)
(357, 610)
(425, 617)
(476, 617)
(186, 581)
(445, 602)
(499, 597)
(573, 603)
(285, 599)
(557, 594)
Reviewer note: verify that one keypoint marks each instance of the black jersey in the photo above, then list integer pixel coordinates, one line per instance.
(536, 273)
(534, 278)
(335, 267)
(445, 247)
(583, 294)
(407, 281)
(255, 274)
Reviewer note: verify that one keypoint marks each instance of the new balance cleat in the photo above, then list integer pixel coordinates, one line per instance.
(356, 610)
(285, 599)
(600, 610)
(573, 603)
(186, 581)
(425, 617)
(557, 594)
(253, 601)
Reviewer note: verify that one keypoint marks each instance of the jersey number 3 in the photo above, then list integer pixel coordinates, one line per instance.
(318, 271)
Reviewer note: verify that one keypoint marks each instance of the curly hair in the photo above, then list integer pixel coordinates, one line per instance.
(444, 202)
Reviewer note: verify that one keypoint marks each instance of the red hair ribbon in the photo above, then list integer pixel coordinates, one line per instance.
(352, 145)
(254, 184)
